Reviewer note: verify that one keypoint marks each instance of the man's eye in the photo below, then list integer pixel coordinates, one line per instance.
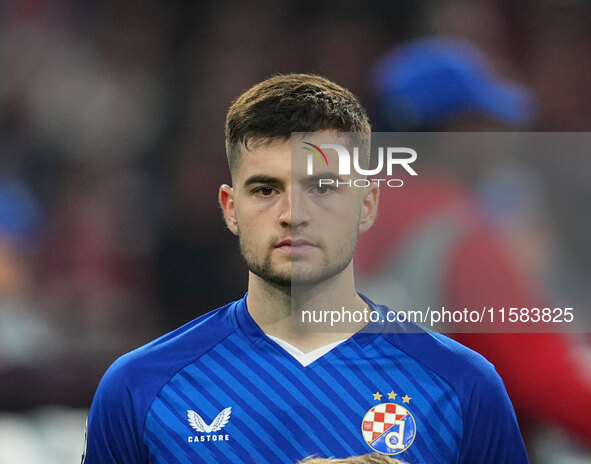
(323, 190)
(265, 191)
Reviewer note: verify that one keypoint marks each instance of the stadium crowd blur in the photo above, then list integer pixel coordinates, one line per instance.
(112, 150)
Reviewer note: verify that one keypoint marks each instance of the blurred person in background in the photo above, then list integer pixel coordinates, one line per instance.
(36, 364)
(82, 111)
(445, 84)
(26, 337)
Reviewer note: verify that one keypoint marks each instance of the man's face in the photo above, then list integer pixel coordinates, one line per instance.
(291, 231)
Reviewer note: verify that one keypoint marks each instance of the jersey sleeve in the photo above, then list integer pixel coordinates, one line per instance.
(490, 432)
(115, 423)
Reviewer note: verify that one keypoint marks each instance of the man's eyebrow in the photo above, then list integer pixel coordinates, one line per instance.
(315, 178)
(261, 179)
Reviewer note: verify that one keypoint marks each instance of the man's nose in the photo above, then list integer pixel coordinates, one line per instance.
(294, 209)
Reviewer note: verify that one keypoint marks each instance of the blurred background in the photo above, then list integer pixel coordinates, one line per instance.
(112, 150)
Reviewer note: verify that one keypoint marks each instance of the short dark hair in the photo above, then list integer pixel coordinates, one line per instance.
(283, 104)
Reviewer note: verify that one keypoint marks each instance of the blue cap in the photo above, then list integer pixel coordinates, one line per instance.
(425, 81)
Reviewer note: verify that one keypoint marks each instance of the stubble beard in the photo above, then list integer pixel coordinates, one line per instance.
(265, 269)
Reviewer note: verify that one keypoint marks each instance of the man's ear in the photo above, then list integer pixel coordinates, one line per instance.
(369, 207)
(226, 199)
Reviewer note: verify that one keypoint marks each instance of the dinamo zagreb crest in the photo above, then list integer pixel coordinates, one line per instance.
(389, 428)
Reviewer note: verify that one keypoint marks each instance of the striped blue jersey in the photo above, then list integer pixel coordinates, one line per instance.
(218, 390)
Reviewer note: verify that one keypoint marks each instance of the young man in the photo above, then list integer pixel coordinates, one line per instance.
(237, 385)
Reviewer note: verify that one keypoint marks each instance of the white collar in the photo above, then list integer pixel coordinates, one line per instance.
(305, 358)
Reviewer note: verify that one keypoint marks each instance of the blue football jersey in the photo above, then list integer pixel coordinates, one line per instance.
(218, 390)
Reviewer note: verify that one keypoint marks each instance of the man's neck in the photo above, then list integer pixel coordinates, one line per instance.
(271, 307)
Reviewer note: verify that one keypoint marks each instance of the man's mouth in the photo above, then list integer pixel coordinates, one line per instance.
(294, 245)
